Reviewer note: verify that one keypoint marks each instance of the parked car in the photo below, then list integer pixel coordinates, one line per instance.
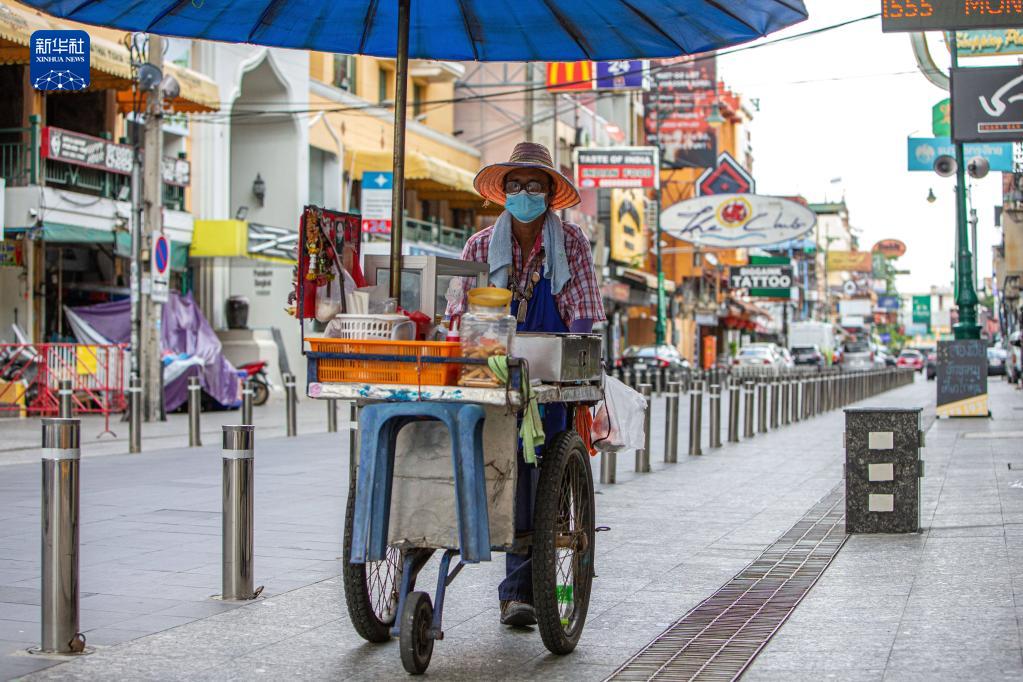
(808, 355)
(639, 358)
(857, 356)
(931, 365)
(758, 355)
(886, 355)
(913, 359)
(786, 358)
(1014, 358)
(996, 360)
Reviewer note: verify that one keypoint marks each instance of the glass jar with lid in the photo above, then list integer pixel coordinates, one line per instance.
(487, 329)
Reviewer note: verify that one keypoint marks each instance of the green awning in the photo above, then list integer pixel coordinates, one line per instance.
(75, 234)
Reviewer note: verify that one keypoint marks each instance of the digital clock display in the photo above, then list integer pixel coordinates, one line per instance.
(949, 15)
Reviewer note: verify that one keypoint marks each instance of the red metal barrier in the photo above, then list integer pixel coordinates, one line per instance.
(30, 376)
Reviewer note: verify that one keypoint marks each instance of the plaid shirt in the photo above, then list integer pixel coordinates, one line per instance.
(579, 299)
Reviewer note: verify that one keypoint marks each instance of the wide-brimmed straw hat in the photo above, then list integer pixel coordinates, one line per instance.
(489, 181)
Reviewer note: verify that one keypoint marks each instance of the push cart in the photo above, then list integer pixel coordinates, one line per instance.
(381, 563)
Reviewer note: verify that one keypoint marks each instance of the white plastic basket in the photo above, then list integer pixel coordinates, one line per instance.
(346, 326)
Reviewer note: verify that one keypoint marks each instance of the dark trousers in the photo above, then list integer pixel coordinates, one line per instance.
(518, 582)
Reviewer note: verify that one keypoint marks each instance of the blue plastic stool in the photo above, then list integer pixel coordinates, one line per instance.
(379, 424)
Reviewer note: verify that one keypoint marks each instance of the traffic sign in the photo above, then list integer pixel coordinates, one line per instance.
(160, 269)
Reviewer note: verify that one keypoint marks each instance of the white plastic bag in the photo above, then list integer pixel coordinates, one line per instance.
(618, 419)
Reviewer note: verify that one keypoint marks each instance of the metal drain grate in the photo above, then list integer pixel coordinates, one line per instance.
(718, 639)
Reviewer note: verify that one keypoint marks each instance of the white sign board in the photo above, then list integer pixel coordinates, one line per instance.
(737, 220)
(375, 202)
(856, 306)
(159, 262)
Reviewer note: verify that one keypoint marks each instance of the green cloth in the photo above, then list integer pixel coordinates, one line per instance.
(531, 431)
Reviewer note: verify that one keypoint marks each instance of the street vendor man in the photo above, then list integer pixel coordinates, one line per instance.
(547, 264)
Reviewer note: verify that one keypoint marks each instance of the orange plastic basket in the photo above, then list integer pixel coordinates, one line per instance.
(385, 371)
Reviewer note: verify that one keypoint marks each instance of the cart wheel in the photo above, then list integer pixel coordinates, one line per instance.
(563, 542)
(416, 642)
(371, 589)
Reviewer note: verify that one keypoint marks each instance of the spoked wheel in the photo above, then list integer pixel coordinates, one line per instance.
(563, 542)
(416, 642)
(371, 589)
(260, 393)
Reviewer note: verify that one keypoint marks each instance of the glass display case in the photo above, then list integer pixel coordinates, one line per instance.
(425, 279)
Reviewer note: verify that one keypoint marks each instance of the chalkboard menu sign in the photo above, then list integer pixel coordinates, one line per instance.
(962, 378)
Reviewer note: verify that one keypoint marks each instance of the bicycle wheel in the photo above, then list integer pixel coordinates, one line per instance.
(371, 589)
(563, 542)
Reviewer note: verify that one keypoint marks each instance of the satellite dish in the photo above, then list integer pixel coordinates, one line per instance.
(978, 167)
(849, 287)
(945, 166)
(149, 77)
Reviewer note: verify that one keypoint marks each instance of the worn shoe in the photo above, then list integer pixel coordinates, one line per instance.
(517, 613)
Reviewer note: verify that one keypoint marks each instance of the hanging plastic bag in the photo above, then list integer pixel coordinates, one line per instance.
(618, 419)
(328, 300)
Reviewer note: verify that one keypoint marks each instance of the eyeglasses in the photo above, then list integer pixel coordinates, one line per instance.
(533, 187)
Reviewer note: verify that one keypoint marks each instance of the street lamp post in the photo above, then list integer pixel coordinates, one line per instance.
(659, 328)
(966, 295)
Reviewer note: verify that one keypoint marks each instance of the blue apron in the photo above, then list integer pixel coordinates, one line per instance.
(541, 316)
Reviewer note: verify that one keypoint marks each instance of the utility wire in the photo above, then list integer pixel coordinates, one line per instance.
(435, 104)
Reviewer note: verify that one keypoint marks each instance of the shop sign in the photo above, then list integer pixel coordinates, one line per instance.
(987, 104)
(922, 311)
(850, 261)
(682, 92)
(59, 60)
(728, 177)
(962, 378)
(989, 42)
(628, 225)
(615, 291)
(569, 76)
(763, 281)
(890, 248)
(949, 15)
(889, 303)
(10, 254)
(622, 75)
(272, 242)
(611, 167)
(922, 151)
(79, 149)
(941, 118)
(375, 202)
(706, 319)
(737, 220)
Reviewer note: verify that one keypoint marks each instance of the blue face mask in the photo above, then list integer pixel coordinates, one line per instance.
(525, 207)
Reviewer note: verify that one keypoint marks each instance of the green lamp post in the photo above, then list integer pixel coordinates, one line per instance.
(966, 295)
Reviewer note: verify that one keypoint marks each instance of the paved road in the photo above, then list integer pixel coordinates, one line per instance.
(150, 560)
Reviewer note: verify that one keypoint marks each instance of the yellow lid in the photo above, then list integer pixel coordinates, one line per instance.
(490, 297)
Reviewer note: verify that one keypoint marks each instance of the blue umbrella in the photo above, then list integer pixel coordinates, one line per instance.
(457, 30)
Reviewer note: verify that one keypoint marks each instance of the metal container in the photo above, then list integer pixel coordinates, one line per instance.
(559, 358)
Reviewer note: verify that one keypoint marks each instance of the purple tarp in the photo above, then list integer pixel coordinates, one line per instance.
(184, 331)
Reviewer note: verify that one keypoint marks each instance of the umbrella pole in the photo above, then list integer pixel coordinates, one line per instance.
(398, 190)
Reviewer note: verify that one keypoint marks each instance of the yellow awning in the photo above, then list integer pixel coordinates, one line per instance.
(418, 166)
(17, 24)
(109, 62)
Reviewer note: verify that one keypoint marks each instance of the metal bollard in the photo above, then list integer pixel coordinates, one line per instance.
(715, 416)
(797, 387)
(247, 393)
(747, 430)
(331, 415)
(290, 400)
(785, 397)
(65, 393)
(643, 456)
(352, 426)
(696, 419)
(237, 512)
(774, 403)
(134, 415)
(761, 407)
(194, 409)
(671, 424)
(733, 412)
(658, 381)
(59, 602)
(627, 377)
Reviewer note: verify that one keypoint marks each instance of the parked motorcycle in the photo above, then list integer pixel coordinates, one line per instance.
(256, 371)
